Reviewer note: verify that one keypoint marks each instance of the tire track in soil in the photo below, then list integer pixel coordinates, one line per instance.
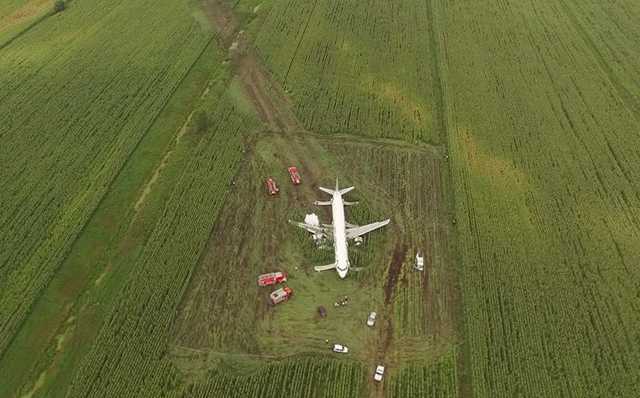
(266, 95)
(395, 267)
(386, 333)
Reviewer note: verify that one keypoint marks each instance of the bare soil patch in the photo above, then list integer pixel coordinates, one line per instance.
(397, 260)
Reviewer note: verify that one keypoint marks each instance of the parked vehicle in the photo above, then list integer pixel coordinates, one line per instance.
(293, 173)
(340, 348)
(272, 278)
(272, 188)
(377, 376)
(280, 295)
(371, 320)
(419, 261)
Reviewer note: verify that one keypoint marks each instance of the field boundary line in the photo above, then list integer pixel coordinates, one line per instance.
(438, 16)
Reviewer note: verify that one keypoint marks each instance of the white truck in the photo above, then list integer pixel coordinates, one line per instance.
(419, 261)
(371, 320)
(340, 348)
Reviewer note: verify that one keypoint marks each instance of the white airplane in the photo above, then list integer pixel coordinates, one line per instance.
(340, 232)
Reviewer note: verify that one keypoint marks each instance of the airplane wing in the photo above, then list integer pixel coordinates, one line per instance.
(320, 268)
(314, 229)
(359, 231)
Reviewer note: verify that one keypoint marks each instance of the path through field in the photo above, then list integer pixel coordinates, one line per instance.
(267, 96)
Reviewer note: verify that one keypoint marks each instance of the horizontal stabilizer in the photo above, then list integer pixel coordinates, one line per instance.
(322, 203)
(359, 231)
(327, 190)
(320, 268)
(345, 190)
(350, 203)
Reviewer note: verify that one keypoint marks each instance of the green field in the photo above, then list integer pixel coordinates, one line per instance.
(501, 138)
(73, 110)
(545, 170)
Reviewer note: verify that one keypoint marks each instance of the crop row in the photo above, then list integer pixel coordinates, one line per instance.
(220, 319)
(545, 167)
(127, 357)
(362, 69)
(437, 380)
(78, 99)
(304, 377)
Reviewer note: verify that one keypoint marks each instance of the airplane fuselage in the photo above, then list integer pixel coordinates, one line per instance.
(338, 231)
(339, 235)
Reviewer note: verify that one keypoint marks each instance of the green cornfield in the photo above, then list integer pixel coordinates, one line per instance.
(500, 137)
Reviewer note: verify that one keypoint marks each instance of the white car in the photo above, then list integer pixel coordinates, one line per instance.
(371, 320)
(340, 348)
(377, 376)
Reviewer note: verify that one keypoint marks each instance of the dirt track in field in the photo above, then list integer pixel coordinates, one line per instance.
(399, 253)
(265, 93)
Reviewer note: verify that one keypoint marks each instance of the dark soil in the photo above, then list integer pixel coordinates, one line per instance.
(399, 254)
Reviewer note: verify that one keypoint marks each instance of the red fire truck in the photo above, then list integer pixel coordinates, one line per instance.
(281, 295)
(272, 278)
(272, 188)
(295, 177)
